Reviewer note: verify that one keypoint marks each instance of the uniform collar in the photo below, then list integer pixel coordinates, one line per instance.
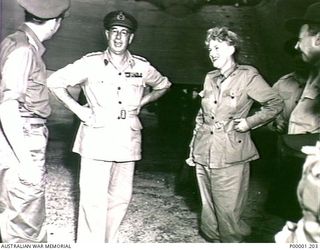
(229, 71)
(33, 39)
(129, 60)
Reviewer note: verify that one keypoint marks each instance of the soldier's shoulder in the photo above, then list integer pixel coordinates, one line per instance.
(287, 76)
(213, 73)
(248, 68)
(18, 38)
(94, 54)
(140, 58)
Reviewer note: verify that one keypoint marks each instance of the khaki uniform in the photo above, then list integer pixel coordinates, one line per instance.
(221, 154)
(305, 117)
(23, 75)
(290, 90)
(109, 148)
(114, 96)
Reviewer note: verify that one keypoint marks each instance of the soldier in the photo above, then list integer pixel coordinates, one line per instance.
(304, 116)
(304, 125)
(109, 136)
(24, 108)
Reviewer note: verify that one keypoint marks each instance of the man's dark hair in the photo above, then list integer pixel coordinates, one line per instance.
(314, 28)
(28, 17)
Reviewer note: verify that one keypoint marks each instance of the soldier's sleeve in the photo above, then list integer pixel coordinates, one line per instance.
(15, 73)
(271, 102)
(155, 79)
(71, 75)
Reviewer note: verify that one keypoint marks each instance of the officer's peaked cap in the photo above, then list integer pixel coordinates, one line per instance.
(46, 9)
(120, 18)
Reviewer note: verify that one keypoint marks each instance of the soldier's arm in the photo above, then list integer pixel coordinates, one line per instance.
(159, 84)
(69, 76)
(15, 77)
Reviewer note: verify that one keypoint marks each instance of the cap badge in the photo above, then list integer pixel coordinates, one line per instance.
(121, 16)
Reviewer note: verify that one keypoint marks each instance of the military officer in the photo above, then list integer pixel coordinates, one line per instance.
(24, 107)
(109, 136)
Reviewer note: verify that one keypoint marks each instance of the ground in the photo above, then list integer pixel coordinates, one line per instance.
(165, 204)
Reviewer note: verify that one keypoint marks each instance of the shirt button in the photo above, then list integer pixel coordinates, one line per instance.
(120, 102)
(212, 117)
(230, 117)
(239, 141)
(119, 73)
(119, 88)
(211, 132)
(118, 117)
(232, 97)
(215, 102)
(296, 102)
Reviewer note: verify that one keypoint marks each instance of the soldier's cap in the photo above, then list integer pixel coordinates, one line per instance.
(120, 18)
(311, 16)
(45, 9)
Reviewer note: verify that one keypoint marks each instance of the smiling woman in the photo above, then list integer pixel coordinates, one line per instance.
(221, 147)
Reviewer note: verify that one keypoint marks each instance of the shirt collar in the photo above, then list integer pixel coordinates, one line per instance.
(33, 39)
(229, 71)
(129, 60)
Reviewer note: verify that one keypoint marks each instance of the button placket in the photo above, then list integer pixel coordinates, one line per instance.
(122, 111)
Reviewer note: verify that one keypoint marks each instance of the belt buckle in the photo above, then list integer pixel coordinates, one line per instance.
(123, 114)
(218, 125)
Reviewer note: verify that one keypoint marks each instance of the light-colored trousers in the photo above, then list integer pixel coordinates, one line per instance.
(22, 205)
(105, 194)
(224, 194)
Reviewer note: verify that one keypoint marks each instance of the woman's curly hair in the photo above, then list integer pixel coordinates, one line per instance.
(222, 34)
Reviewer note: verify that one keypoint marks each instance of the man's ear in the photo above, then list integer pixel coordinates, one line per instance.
(317, 41)
(106, 32)
(131, 38)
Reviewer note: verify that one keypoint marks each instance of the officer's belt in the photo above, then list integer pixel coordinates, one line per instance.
(127, 114)
(34, 120)
(220, 126)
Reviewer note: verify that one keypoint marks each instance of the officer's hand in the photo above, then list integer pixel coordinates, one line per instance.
(190, 161)
(241, 125)
(85, 114)
(138, 109)
(92, 119)
(280, 125)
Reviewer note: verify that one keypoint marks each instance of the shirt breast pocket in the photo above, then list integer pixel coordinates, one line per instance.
(207, 99)
(232, 99)
(134, 92)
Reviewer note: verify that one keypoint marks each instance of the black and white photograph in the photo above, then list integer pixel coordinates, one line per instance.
(159, 121)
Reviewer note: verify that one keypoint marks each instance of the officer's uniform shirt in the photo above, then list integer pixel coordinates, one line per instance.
(23, 73)
(114, 96)
(305, 118)
(225, 98)
(290, 90)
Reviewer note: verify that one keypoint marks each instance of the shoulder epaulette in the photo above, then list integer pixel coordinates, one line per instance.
(213, 73)
(247, 67)
(290, 75)
(94, 54)
(140, 58)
